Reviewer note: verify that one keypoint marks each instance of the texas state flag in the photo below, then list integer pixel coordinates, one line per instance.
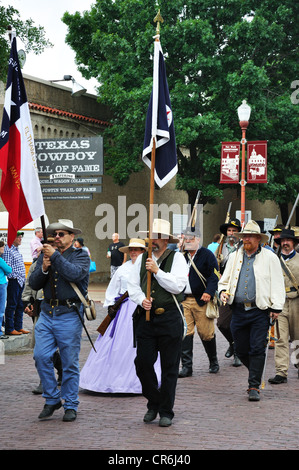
(159, 125)
(20, 187)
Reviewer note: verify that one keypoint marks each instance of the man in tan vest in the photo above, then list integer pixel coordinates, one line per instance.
(288, 320)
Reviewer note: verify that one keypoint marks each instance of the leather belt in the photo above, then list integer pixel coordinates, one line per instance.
(291, 289)
(245, 305)
(57, 302)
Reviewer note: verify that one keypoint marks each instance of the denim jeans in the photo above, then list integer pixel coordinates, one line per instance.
(3, 295)
(14, 307)
(62, 330)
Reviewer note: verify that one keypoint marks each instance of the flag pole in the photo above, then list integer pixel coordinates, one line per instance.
(158, 18)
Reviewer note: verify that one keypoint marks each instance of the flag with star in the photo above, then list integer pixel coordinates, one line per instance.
(159, 125)
(20, 187)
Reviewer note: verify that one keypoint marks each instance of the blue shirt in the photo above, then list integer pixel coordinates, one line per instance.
(4, 271)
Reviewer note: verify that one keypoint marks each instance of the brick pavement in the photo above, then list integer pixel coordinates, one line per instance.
(212, 412)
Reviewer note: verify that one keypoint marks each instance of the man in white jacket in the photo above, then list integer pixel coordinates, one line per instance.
(253, 285)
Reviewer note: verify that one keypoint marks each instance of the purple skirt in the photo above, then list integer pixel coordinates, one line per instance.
(111, 369)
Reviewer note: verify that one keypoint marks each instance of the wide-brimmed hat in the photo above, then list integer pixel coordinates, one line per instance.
(191, 231)
(253, 228)
(134, 243)
(276, 229)
(160, 227)
(231, 223)
(287, 233)
(63, 224)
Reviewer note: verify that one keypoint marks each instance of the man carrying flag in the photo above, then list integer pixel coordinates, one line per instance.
(20, 187)
(157, 282)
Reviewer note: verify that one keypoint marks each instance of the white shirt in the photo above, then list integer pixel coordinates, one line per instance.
(118, 284)
(174, 282)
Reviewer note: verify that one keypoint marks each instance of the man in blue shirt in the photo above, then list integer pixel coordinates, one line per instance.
(59, 324)
(16, 282)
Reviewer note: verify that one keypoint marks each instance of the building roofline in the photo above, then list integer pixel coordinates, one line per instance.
(62, 113)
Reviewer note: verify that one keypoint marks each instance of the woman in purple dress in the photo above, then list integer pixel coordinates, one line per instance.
(111, 369)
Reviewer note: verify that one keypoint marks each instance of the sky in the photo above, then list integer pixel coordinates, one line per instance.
(59, 60)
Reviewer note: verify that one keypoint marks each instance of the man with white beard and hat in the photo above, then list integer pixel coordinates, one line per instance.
(252, 283)
(59, 324)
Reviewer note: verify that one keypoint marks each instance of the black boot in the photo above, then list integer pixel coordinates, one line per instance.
(210, 348)
(256, 367)
(187, 356)
(58, 366)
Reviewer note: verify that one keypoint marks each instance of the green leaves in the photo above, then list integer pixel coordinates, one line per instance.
(217, 53)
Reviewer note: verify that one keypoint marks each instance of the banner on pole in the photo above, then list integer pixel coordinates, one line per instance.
(257, 161)
(230, 162)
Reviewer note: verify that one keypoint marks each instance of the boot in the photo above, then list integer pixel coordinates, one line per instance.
(58, 366)
(187, 356)
(210, 348)
(38, 390)
(237, 362)
(256, 367)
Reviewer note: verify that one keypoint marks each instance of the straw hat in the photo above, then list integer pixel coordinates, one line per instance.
(252, 228)
(160, 227)
(134, 243)
(63, 224)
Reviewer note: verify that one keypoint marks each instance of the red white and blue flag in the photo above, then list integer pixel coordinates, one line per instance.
(20, 187)
(159, 125)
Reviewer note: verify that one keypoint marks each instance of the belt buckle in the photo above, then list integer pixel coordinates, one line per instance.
(247, 304)
(54, 302)
(159, 311)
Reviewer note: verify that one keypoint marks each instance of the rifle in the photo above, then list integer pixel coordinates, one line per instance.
(193, 216)
(112, 311)
(218, 252)
(289, 221)
(271, 242)
(292, 211)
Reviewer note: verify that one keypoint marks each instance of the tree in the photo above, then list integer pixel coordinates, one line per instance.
(218, 52)
(33, 37)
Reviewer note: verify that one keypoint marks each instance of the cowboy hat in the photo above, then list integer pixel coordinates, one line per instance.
(276, 229)
(160, 227)
(287, 233)
(231, 223)
(253, 228)
(134, 243)
(191, 231)
(63, 224)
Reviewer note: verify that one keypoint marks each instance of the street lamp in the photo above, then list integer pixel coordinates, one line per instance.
(244, 114)
(77, 90)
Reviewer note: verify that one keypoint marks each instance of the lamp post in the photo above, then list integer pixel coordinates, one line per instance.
(244, 115)
(77, 90)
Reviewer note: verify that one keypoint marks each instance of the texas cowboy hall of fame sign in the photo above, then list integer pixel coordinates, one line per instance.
(70, 168)
(256, 162)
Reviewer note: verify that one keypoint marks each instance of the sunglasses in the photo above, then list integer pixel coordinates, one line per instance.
(60, 234)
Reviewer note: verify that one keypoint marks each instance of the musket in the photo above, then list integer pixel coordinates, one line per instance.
(272, 236)
(289, 221)
(292, 211)
(220, 247)
(263, 382)
(193, 216)
(112, 311)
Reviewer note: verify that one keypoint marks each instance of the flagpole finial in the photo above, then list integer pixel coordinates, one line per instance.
(158, 19)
